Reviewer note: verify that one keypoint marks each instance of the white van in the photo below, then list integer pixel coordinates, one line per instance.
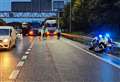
(7, 37)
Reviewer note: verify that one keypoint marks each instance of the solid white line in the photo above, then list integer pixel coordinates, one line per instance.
(27, 52)
(24, 57)
(114, 56)
(14, 74)
(105, 60)
(20, 64)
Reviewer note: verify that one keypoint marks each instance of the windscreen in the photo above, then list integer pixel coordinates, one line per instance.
(52, 25)
(4, 32)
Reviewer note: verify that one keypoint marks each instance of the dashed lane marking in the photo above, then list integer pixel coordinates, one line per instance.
(24, 57)
(29, 49)
(27, 52)
(14, 74)
(103, 59)
(20, 64)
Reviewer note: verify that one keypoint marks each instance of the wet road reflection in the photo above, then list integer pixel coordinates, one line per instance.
(42, 40)
(106, 73)
(31, 38)
(111, 59)
(10, 58)
(7, 64)
(20, 47)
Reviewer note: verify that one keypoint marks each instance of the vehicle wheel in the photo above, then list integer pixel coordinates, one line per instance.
(100, 48)
(91, 48)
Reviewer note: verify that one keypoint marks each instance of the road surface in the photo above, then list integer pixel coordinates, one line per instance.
(10, 58)
(53, 60)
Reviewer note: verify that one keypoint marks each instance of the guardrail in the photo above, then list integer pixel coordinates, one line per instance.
(80, 38)
(83, 39)
(76, 36)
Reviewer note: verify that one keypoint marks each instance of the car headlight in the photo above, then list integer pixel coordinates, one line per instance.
(5, 40)
(55, 33)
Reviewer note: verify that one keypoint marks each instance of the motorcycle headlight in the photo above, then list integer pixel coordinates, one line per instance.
(5, 40)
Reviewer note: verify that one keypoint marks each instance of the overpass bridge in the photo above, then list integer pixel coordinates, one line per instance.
(42, 14)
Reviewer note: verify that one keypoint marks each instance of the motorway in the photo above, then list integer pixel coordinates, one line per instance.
(53, 60)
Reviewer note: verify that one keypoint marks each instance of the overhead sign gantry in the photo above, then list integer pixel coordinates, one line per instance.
(42, 14)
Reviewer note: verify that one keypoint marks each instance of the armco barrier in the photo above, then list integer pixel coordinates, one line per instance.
(84, 38)
(73, 36)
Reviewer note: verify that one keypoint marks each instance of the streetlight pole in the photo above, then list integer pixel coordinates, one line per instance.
(70, 26)
(58, 19)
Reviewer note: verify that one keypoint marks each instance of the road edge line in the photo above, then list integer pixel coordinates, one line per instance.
(92, 54)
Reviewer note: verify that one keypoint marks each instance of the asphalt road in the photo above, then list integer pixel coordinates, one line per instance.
(10, 58)
(53, 60)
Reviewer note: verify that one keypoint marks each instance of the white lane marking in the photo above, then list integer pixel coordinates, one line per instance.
(27, 52)
(114, 56)
(24, 57)
(29, 49)
(105, 60)
(20, 64)
(14, 74)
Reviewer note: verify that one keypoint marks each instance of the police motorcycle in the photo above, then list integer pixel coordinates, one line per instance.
(101, 43)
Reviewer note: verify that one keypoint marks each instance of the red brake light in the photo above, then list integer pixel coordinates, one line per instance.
(31, 33)
(48, 33)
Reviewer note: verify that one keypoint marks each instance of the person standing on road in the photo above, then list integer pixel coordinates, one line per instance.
(44, 30)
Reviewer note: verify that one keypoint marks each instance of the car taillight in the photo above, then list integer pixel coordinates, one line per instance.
(48, 33)
(31, 33)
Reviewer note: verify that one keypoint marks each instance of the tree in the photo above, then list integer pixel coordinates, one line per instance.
(104, 15)
(2, 22)
(64, 21)
(88, 15)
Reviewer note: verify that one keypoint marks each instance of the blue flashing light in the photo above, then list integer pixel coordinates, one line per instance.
(107, 35)
(96, 38)
(100, 36)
